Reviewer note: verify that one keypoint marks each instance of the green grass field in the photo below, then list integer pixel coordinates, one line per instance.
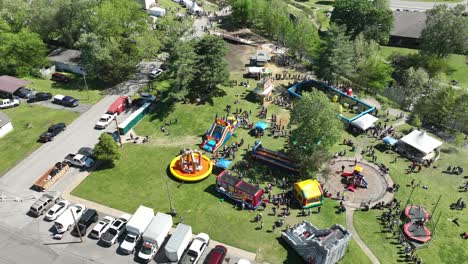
(75, 88)
(21, 141)
(458, 64)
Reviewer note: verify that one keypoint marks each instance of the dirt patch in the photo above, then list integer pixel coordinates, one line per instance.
(238, 56)
(174, 142)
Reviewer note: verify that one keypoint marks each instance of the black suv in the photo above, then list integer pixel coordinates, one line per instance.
(40, 97)
(89, 217)
(52, 132)
(24, 93)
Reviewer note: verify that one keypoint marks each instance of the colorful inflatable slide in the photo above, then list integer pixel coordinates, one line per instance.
(220, 132)
(273, 157)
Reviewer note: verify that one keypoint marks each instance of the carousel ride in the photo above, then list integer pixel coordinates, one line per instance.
(191, 166)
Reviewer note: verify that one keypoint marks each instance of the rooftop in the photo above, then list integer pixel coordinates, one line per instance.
(67, 56)
(9, 84)
(408, 24)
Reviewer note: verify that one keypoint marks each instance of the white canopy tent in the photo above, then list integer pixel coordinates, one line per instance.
(421, 141)
(365, 122)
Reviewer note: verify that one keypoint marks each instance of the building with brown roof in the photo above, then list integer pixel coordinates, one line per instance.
(5, 124)
(9, 85)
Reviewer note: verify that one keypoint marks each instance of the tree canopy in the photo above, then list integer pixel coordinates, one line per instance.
(22, 52)
(372, 18)
(107, 150)
(316, 127)
(446, 31)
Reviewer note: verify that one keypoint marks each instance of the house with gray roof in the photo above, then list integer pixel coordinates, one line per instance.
(407, 28)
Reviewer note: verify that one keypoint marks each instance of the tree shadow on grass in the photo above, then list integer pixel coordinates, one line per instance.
(162, 108)
(324, 3)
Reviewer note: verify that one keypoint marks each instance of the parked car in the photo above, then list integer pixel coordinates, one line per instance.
(24, 93)
(40, 96)
(53, 131)
(79, 160)
(89, 217)
(65, 100)
(59, 77)
(9, 103)
(216, 255)
(56, 210)
(101, 227)
(148, 97)
(65, 221)
(155, 73)
(196, 249)
(116, 229)
(44, 203)
(85, 151)
(104, 121)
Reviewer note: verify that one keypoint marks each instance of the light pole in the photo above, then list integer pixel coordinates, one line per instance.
(173, 211)
(85, 83)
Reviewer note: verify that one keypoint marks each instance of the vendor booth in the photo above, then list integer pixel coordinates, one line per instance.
(363, 123)
(418, 145)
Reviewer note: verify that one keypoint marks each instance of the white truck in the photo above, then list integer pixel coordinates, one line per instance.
(105, 120)
(178, 242)
(135, 227)
(79, 160)
(154, 236)
(65, 221)
(8, 103)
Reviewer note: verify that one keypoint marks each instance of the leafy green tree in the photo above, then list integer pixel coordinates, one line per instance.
(16, 13)
(375, 21)
(22, 53)
(304, 39)
(437, 108)
(413, 85)
(446, 31)
(335, 56)
(316, 129)
(107, 150)
(372, 72)
(182, 61)
(212, 67)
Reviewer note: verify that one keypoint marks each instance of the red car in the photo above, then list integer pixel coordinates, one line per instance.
(58, 77)
(216, 255)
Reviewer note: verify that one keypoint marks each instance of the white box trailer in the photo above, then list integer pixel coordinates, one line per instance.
(135, 227)
(154, 235)
(178, 242)
(157, 11)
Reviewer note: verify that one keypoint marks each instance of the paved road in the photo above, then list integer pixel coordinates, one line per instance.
(27, 234)
(420, 6)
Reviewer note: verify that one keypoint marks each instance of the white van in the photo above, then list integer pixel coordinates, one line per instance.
(65, 221)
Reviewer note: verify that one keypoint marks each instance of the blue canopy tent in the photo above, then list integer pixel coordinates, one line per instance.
(260, 125)
(390, 141)
(223, 163)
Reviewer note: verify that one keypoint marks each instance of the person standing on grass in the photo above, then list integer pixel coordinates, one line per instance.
(318, 209)
(261, 225)
(342, 168)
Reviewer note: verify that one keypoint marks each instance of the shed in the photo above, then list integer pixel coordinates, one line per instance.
(157, 11)
(5, 125)
(9, 85)
(260, 58)
(66, 60)
(364, 122)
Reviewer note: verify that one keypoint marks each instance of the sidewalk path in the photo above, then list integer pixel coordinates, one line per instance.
(362, 245)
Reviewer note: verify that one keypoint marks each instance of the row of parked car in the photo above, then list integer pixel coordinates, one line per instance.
(143, 227)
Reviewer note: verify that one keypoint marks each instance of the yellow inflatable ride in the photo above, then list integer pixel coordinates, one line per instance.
(191, 166)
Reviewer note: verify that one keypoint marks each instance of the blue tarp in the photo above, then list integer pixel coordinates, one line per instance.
(223, 163)
(389, 140)
(260, 125)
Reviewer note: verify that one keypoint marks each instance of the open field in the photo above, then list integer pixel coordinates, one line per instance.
(76, 88)
(21, 141)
